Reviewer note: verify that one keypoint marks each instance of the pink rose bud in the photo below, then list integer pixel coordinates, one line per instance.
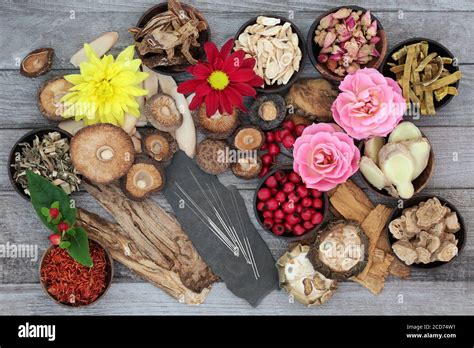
(322, 58)
(375, 40)
(372, 31)
(336, 57)
(326, 21)
(374, 52)
(365, 20)
(329, 39)
(350, 22)
(342, 13)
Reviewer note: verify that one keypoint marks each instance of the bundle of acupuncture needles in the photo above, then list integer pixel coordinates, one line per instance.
(220, 222)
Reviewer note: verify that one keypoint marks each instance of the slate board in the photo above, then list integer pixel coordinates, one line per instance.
(234, 271)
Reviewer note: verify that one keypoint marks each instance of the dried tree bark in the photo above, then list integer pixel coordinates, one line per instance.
(151, 242)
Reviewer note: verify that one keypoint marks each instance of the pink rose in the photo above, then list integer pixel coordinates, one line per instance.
(369, 104)
(324, 156)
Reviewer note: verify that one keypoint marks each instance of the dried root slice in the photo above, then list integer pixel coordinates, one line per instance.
(268, 111)
(372, 148)
(299, 278)
(37, 62)
(212, 156)
(160, 146)
(247, 168)
(49, 97)
(248, 138)
(340, 251)
(420, 150)
(162, 113)
(404, 131)
(446, 252)
(218, 126)
(405, 251)
(102, 153)
(144, 177)
(430, 213)
(101, 45)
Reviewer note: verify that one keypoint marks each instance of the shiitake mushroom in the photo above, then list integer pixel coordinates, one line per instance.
(160, 146)
(162, 112)
(212, 156)
(268, 111)
(247, 167)
(145, 177)
(102, 152)
(49, 97)
(37, 62)
(218, 126)
(248, 138)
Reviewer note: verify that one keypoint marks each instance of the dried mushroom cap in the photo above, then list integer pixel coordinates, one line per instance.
(340, 251)
(102, 152)
(268, 111)
(211, 156)
(430, 213)
(162, 112)
(247, 168)
(37, 62)
(312, 98)
(144, 177)
(49, 97)
(248, 138)
(218, 126)
(160, 146)
(299, 278)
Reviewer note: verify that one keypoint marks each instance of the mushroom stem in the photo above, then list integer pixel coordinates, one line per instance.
(105, 153)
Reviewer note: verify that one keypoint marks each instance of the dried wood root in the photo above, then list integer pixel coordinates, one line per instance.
(351, 202)
(151, 242)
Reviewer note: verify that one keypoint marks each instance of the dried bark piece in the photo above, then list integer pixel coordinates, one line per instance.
(375, 279)
(351, 202)
(151, 242)
(37, 62)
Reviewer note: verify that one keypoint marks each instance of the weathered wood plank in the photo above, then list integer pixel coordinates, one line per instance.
(19, 107)
(450, 171)
(52, 28)
(404, 298)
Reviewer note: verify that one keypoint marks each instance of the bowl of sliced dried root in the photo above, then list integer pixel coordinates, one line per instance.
(427, 72)
(278, 47)
(44, 151)
(169, 37)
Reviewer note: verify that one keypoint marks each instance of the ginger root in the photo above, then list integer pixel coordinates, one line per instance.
(404, 131)
(372, 148)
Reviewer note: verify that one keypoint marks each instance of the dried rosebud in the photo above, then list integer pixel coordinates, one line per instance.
(55, 239)
(365, 20)
(364, 60)
(326, 21)
(352, 48)
(336, 49)
(342, 13)
(344, 38)
(326, 49)
(332, 65)
(372, 30)
(364, 51)
(375, 40)
(341, 71)
(330, 37)
(374, 51)
(336, 57)
(320, 38)
(352, 68)
(322, 58)
(350, 23)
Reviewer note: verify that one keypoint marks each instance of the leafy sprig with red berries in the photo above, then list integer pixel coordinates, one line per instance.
(58, 212)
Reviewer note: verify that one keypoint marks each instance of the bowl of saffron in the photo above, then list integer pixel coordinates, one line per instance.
(71, 284)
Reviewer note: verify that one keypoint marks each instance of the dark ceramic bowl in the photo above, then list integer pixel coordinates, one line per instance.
(198, 54)
(287, 236)
(301, 44)
(460, 235)
(419, 183)
(109, 277)
(28, 138)
(433, 47)
(314, 48)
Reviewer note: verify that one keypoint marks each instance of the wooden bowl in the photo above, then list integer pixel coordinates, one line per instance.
(28, 138)
(419, 183)
(109, 269)
(301, 44)
(433, 47)
(460, 235)
(204, 36)
(314, 48)
(285, 236)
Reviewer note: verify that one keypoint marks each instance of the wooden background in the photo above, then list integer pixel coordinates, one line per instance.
(66, 24)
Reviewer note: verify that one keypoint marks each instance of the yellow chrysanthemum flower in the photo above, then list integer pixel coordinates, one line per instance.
(105, 89)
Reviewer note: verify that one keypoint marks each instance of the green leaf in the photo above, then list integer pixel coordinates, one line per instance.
(64, 244)
(45, 211)
(71, 232)
(44, 194)
(79, 248)
(55, 204)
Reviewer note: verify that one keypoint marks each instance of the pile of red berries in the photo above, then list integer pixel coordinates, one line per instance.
(286, 206)
(285, 136)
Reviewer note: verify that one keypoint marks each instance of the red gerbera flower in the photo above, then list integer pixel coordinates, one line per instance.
(222, 81)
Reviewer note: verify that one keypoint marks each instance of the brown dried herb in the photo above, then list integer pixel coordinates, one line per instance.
(48, 157)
